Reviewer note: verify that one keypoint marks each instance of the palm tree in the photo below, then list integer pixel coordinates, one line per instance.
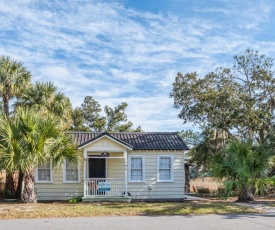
(45, 97)
(242, 167)
(29, 139)
(14, 78)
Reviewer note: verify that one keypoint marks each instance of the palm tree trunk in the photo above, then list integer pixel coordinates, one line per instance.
(28, 190)
(10, 186)
(6, 105)
(245, 195)
(19, 185)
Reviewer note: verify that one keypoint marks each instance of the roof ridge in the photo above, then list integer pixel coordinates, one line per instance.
(159, 132)
(136, 140)
(83, 132)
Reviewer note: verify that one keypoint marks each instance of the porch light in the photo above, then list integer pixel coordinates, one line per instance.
(105, 154)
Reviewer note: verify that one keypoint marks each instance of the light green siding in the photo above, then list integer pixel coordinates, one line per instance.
(57, 190)
(160, 190)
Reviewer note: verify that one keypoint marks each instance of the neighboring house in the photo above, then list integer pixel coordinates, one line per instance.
(118, 166)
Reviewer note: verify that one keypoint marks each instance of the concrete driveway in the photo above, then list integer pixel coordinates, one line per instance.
(219, 222)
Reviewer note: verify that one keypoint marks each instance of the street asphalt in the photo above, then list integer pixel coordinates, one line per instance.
(219, 222)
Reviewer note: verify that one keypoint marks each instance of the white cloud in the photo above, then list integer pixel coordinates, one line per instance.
(115, 54)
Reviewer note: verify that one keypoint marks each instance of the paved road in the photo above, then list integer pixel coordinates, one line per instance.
(218, 222)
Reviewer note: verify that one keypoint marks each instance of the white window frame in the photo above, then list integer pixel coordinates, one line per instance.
(172, 168)
(44, 181)
(143, 168)
(64, 174)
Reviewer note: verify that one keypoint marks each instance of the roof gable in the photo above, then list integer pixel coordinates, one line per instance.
(134, 140)
(107, 135)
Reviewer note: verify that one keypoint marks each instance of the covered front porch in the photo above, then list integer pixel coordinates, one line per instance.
(99, 185)
(107, 189)
(106, 171)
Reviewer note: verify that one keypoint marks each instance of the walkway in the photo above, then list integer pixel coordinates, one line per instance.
(259, 206)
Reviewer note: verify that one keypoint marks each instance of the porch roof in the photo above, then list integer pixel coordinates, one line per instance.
(135, 140)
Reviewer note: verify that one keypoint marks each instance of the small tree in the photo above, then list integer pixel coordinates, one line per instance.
(116, 119)
(242, 167)
(239, 100)
(78, 121)
(206, 145)
(88, 118)
(14, 78)
(29, 139)
(46, 97)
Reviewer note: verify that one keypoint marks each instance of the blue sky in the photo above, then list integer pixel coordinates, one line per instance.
(131, 50)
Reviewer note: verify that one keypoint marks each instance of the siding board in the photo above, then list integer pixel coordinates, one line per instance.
(115, 169)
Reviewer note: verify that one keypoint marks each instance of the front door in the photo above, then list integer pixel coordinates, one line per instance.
(97, 168)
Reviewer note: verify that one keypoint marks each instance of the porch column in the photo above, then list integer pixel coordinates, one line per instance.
(85, 173)
(184, 152)
(126, 173)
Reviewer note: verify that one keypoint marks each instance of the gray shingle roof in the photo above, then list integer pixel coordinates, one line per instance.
(135, 140)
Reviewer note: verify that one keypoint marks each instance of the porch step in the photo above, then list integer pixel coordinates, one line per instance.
(109, 199)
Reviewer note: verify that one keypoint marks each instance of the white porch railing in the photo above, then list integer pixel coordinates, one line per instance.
(104, 187)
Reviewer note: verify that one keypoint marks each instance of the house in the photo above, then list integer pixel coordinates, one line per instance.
(118, 166)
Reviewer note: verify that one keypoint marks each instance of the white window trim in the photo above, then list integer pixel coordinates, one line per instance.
(44, 181)
(129, 168)
(172, 168)
(64, 174)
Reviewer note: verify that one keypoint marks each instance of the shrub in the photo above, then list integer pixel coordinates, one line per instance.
(75, 199)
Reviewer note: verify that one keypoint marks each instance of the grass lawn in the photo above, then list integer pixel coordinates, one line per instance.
(64, 209)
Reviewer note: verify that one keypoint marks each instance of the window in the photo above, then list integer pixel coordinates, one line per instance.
(136, 169)
(70, 172)
(165, 169)
(44, 173)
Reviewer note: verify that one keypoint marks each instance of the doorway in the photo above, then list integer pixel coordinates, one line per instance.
(97, 168)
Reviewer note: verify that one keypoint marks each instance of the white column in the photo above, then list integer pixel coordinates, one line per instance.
(126, 173)
(85, 173)
(183, 173)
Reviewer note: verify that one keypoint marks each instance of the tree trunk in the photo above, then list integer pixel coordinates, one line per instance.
(10, 185)
(19, 185)
(245, 195)
(28, 190)
(6, 105)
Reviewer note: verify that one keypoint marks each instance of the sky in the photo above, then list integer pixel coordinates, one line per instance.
(131, 50)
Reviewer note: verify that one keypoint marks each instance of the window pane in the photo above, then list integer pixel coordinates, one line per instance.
(165, 168)
(136, 168)
(46, 165)
(71, 171)
(44, 172)
(165, 163)
(165, 174)
(136, 174)
(136, 163)
(71, 175)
